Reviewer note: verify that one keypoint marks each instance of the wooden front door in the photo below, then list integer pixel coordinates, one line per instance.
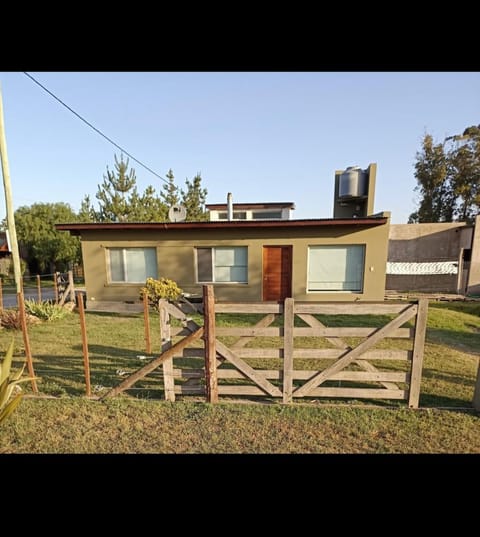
(277, 272)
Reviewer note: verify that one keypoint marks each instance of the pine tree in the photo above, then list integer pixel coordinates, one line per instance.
(170, 194)
(87, 211)
(112, 193)
(120, 201)
(147, 207)
(194, 198)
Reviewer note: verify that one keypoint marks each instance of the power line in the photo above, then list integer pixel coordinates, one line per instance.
(94, 128)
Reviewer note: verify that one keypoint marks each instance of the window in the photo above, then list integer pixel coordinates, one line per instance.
(336, 268)
(237, 215)
(132, 265)
(222, 264)
(266, 215)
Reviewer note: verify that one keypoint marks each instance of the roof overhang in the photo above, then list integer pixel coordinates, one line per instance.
(79, 228)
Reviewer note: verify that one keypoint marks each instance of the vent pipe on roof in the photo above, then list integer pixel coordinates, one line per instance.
(229, 207)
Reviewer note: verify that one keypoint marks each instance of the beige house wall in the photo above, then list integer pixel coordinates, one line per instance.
(176, 259)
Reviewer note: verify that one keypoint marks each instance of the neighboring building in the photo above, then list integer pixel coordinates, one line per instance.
(5, 254)
(339, 259)
(251, 211)
(437, 257)
(4, 246)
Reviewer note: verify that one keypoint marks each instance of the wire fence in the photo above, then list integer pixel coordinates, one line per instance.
(39, 287)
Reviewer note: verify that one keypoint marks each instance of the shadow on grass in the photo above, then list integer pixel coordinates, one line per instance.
(439, 401)
(110, 314)
(113, 352)
(446, 377)
(458, 340)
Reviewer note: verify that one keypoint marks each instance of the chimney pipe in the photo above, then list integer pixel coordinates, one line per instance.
(229, 207)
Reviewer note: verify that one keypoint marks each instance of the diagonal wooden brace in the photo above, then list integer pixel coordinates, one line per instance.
(354, 354)
(151, 366)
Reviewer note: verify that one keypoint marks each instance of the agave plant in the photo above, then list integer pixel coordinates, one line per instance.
(8, 381)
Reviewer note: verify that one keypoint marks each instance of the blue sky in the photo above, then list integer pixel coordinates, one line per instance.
(264, 137)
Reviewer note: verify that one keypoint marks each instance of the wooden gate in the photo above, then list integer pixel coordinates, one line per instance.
(302, 357)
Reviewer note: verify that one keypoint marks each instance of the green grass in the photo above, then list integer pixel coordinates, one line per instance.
(132, 426)
(140, 421)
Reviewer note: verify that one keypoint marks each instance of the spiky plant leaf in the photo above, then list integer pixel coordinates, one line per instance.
(10, 407)
(7, 363)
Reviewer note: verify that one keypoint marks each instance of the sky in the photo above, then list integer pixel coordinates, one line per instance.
(263, 136)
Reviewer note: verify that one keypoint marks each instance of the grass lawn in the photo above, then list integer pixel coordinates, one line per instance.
(140, 422)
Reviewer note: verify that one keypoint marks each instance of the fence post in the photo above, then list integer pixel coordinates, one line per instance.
(146, 322)
(26, 341)
(71, 285)
(1, 294)
(417, 355)
(39, 289)
(211, 383)
(166, 343)
(55, 286)
(288, 319)
(86, 361)
(476, 394)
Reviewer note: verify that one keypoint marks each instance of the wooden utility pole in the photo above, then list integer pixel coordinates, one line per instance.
(12, 232)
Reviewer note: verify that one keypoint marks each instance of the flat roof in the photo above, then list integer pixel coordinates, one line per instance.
(244, 206)
(77, 228)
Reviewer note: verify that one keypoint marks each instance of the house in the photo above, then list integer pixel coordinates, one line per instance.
(438, 257)
(320, 259)
(249, 257)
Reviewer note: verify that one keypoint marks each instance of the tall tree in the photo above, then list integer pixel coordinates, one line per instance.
(448, 178)
(146, 207)
(465, 172)
(45, 247)
(170, 193)
(431, 173)
(120, 201)
(87, 211)
(193, 198)
(112, 193)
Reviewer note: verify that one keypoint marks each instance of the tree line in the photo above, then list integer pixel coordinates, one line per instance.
(448, 178)
(47, 250)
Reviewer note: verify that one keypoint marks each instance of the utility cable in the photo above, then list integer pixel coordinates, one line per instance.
(94, 128)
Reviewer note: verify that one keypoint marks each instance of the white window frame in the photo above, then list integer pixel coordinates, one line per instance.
(213, 249)
(326, 247)
(125, 265)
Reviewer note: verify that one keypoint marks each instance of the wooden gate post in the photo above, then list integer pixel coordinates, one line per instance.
(476, 394)
(211, 383)
(83, 328)
(417, 354)
(146, 322)
(166, 343)
(288, 318)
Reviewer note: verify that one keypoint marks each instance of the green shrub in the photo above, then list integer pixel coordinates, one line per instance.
(46, 311)
(8, 382)
(162, 288)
